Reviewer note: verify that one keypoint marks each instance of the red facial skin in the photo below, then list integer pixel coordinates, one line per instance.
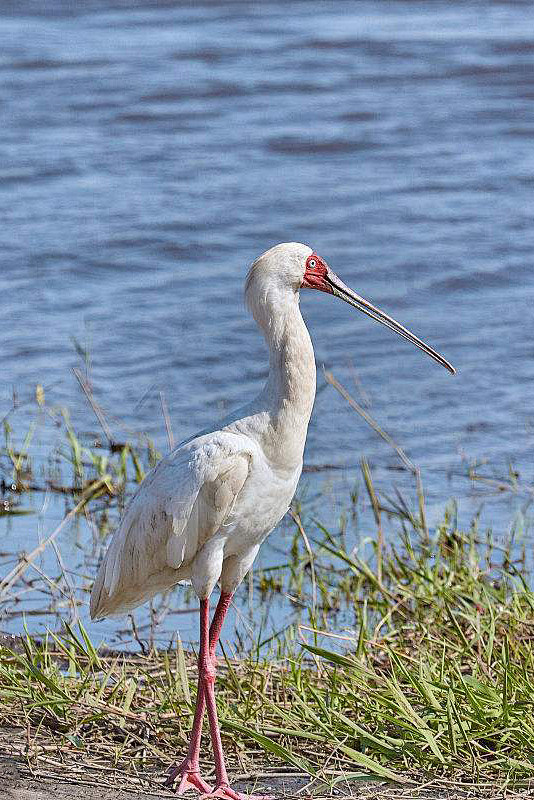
(315, 274)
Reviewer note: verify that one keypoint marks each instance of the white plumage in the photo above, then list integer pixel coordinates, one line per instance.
(203, 511)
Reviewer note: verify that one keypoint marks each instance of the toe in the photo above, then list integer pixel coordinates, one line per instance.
(192, 780)
(227, 793)
(189, 779)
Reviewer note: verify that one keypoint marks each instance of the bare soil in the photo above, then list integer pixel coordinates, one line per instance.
(16, 783)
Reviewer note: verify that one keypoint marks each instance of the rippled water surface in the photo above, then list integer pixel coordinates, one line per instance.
(149, 151)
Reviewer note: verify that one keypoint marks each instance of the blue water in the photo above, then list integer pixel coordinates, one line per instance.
(149, 151)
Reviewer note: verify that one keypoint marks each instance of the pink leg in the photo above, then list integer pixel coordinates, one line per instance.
(218, 618)
(222, 788)
(189, 769)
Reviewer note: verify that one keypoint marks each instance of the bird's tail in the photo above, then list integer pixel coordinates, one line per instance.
(124, 597)
(99, 596)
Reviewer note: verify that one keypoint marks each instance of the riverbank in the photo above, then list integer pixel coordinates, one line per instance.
(433, 687)
(407, 660)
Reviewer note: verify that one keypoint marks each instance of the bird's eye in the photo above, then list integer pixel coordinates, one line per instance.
(312, 263)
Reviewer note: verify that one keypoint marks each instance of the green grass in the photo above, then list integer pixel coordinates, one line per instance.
(436, 682)
(417, 665)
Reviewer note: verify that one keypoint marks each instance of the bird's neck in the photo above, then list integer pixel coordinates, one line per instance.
(290, 389)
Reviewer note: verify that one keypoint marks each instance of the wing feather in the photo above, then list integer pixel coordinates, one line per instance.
(180, 504)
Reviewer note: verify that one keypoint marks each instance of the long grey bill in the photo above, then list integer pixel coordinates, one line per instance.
(339, 289)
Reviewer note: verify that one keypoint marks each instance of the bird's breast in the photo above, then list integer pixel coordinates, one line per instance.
(261, 505)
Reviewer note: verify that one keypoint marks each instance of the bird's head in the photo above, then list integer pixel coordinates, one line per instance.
(277, 276)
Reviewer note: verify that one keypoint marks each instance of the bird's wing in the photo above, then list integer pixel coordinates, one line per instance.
(180, 504)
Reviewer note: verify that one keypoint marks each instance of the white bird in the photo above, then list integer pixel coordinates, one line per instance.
(202, 513)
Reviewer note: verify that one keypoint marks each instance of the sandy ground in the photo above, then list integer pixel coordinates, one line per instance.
(17, 784)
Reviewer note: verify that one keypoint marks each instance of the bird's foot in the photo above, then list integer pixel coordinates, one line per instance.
(227, 793)
(189, 779)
